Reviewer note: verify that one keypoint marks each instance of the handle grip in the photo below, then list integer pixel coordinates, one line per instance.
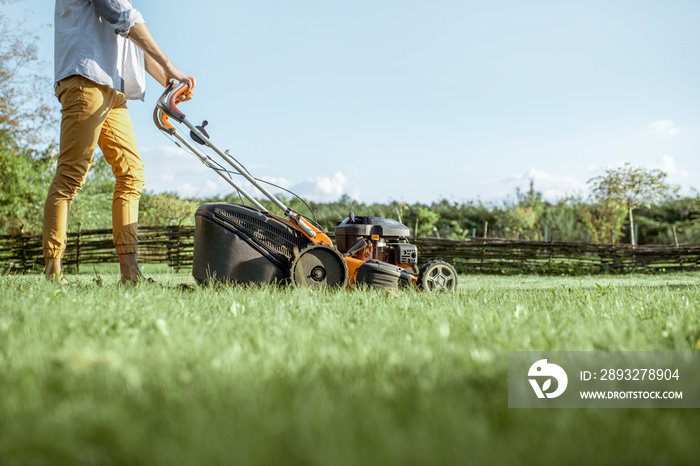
(168, 101)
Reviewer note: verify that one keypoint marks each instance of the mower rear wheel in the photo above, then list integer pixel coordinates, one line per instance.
(318, 266)
(438, 276)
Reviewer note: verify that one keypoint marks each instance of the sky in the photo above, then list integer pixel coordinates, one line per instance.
(419, 101)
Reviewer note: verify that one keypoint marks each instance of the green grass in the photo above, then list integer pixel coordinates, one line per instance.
(172, 374)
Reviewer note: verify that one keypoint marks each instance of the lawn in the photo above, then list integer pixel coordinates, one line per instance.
(175, 374)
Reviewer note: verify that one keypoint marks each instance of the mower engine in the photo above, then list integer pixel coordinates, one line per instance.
(377, 250)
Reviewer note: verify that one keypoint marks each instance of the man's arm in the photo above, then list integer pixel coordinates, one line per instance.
(155, 70)
(129, 23)
(157, 64)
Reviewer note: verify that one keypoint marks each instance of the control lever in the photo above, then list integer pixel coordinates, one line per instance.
(201, 129)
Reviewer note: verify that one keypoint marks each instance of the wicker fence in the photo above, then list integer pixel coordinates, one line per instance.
(171, 245)
(174, 245)
(511, 256)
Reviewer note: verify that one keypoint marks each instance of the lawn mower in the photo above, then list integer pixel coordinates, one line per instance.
(240, 243)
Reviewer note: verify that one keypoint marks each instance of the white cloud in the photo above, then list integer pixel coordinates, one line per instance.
(187, 190)
(609, 166)
(322, 188)
(165, 153)
(668, 165)
(168, 166)
(551, 186)
(172, 169)
(283, 182)
(663, 128)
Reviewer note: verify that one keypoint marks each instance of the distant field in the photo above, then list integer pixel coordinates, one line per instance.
(172, 374)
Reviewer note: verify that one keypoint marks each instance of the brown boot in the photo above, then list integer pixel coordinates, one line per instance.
(129, 268)
(54, 271)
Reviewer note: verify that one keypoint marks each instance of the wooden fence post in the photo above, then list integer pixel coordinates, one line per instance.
(675, 238)
(77, 247)
(486, 228)
(22, 249)
(177, 249)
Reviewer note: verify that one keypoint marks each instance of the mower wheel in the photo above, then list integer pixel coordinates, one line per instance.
(318, 266)
(437, 276)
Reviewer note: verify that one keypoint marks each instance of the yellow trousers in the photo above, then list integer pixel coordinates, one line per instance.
(94, 115)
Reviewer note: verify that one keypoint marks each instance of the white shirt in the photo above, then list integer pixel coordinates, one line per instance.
(91, 41)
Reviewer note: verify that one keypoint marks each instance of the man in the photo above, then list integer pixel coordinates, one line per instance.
(102, 50)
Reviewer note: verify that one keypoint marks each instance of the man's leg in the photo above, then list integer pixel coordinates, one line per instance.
(83, 109)
(118, 143)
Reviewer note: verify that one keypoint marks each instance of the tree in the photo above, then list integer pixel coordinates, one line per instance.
(603, 221)
(629, 187)
(27, 149)
(92, 206)
(565, 220)
(27, 106)
(167, 209)
(425, 220)
(24, 177)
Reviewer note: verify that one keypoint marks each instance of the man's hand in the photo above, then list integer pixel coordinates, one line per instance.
(180, 76)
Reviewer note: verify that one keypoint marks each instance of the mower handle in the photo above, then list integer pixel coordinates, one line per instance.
(168, 101)
(161, 121)
(166, 106)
